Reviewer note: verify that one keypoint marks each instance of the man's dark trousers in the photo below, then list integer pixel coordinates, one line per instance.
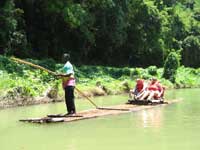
(69, 99)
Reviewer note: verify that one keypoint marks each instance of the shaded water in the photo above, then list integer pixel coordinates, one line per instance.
(173, 127)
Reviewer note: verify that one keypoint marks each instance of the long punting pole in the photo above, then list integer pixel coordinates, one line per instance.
(33, 65)
(103, 108)
(55, 74)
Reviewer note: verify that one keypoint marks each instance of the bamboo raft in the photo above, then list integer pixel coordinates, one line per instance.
(131, 106)
(93, 113)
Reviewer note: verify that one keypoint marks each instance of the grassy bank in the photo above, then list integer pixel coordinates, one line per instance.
(19, 81)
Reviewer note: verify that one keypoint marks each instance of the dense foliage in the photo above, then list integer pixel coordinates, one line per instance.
(22, 81)
(170, 67)
(104, 32)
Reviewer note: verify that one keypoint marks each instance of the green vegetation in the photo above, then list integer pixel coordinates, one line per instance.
(102, 32)
(127, 35)
(171, 65)
(19, 80)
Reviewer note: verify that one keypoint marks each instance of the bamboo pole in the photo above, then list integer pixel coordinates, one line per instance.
(102, 108)
(33, 65)
(55, 74)
(50, 72)
(86, 97)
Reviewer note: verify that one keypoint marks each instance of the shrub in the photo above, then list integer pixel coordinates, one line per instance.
(171, 65)
(136, 72)
(152, 70)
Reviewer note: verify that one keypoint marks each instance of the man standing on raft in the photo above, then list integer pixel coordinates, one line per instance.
(68, 83)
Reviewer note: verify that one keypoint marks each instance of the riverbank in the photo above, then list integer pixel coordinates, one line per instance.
(22, 85)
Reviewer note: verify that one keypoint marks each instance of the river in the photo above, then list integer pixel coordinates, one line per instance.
(173, 127)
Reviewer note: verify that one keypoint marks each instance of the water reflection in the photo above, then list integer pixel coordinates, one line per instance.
(150, 118)
(72, 145)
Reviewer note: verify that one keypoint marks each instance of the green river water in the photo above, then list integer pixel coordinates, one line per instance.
(171, 127)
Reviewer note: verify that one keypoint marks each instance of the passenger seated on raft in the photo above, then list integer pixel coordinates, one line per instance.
(155, 91)
(139, 89)
(159, 94)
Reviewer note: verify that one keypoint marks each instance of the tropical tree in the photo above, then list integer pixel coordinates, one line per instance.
(171, 65)
(191, 51)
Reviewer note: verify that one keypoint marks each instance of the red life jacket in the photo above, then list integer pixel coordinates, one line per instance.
(161, 89)
(140, 85)
(153, 86)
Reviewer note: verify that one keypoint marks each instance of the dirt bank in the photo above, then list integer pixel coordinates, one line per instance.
(51, 96)
(25, 101)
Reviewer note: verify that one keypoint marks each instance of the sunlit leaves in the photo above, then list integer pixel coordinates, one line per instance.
(75, 15)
